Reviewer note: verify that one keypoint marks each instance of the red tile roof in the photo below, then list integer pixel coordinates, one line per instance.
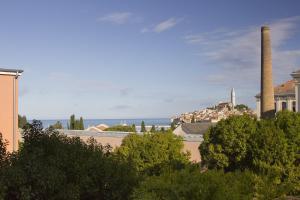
(284, 89)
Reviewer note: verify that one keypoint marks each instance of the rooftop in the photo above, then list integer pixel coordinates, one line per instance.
(10, 71)
(196, 128)
(286, 88)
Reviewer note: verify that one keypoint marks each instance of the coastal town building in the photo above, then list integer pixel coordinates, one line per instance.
(212, 114)
(284, 98)
(9, 107)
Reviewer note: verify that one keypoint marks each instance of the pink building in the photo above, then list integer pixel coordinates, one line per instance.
(9, 107)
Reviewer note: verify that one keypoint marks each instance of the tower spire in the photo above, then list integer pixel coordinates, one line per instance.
(233, 98)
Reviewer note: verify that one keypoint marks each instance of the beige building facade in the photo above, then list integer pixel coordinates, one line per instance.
(284, 98)
(9, 107)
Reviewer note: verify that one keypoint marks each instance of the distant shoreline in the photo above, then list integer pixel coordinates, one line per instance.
(111, 122)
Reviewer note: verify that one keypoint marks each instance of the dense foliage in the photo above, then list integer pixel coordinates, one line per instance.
(121, 128)
(243, 158)
(192, 184)
(267, 147)
(53, 166)
(151, 153)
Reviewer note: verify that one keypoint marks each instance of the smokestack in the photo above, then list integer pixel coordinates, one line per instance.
(267, 90)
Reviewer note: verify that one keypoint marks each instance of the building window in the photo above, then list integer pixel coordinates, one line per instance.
(283, 105)
(294, 106)
(275, 107)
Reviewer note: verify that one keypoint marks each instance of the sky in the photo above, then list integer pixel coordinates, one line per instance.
(140, 58)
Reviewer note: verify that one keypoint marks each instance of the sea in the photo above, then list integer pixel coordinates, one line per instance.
(111, 122)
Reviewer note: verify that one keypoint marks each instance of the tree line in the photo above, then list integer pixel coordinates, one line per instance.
(242, 158)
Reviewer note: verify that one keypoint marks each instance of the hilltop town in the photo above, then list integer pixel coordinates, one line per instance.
(215, 113)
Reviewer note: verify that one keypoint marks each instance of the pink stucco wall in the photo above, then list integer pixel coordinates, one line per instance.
(6, 110)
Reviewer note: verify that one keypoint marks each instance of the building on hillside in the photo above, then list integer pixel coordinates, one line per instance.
(284, 97)
(9, 107)
(192, 128)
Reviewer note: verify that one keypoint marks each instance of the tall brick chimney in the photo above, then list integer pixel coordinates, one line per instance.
(267, 90)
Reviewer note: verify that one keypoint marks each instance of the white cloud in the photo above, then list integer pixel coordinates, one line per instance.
(116, 17)
(162, 26)
(236, 54)
(165, 25)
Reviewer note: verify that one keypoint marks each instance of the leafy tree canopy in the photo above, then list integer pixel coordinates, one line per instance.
(266, 147)
(57, 125)
(150, 153)
(121, 128)
(53, 166)
(192, 184)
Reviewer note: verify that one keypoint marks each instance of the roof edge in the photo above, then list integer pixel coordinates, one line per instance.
(11, 70)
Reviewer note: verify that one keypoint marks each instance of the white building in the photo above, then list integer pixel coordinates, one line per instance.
(284, 97)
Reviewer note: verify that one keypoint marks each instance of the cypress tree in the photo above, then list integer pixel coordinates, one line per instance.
(143, 127)
(133, 128)
(72, 122)
(81, 124)
(153, 130)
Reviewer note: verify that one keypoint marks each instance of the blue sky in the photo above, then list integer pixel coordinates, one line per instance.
(131, 59)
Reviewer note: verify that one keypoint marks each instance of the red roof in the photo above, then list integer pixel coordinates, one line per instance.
(284, 88)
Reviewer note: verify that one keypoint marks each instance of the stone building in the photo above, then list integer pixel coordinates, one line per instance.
(9, 107)
(284, 98)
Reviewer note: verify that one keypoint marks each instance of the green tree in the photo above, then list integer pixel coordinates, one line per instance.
(22, 121)
(192, 184)
(153, 129)
(72, 122)
(57, 125)
(225, 145)
(241, 107)
(121, 128)
(51, 165)
(76, 124)
(81, 124)
(269, 148)
(272, 155)
(143, 127)
(133, 128)
(152, 153)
